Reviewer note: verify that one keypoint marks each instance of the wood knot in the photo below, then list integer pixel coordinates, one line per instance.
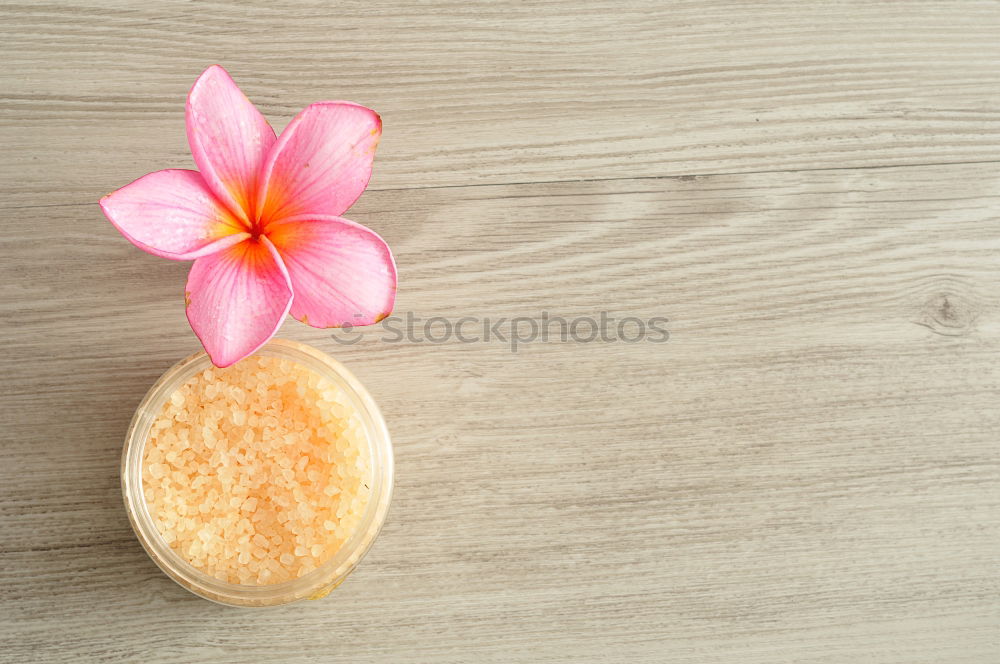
(947, 314)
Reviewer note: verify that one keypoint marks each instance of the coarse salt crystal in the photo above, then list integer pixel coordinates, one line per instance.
(262, 455)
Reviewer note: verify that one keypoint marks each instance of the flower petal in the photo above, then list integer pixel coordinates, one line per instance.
(322, 161)
(229, 139)
(237, 299)
(172, 214)
(341, 272)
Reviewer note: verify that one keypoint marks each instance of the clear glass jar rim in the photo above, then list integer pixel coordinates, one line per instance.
(317, 582)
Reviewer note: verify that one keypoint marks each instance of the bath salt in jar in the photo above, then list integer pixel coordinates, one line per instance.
(261, 483)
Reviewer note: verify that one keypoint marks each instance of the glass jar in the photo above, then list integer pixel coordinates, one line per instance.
(318, 582)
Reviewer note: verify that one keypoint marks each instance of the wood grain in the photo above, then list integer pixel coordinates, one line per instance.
(807, 471)
(508, 92)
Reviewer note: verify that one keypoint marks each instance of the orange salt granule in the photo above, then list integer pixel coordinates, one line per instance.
(257, 473)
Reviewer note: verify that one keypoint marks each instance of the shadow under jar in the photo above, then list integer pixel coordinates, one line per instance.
(328, 573)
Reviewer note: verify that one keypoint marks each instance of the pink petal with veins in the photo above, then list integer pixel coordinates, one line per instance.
(341, 272)
(321, 162)
(229, 139)
(237, 299)
(172, 214)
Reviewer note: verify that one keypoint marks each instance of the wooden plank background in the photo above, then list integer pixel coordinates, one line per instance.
(808, 471)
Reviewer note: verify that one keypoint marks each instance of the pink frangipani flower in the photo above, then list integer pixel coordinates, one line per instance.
(260, 219)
